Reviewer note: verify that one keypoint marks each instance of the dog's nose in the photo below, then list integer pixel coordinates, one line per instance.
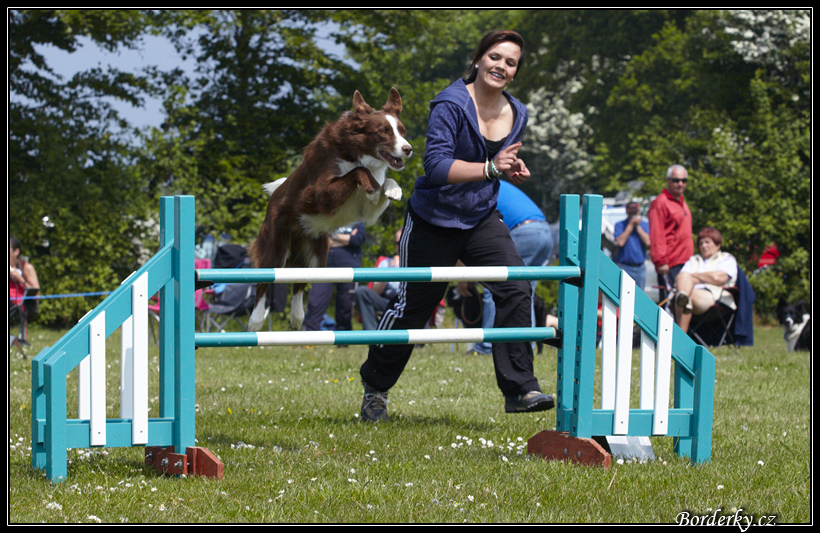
(407, 149)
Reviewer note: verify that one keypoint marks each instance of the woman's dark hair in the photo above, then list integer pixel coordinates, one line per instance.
(14, 243)
(490, 40)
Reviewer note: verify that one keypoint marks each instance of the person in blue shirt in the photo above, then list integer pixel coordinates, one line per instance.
(473, 139)
(532, 236)
(632, 238)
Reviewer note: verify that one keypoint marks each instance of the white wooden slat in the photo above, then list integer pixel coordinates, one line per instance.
(96, 342)
(623, 386)
(126, 364)
(139, 360)
(84, 389)
(663, 367)
(609, 354)
(647, 393)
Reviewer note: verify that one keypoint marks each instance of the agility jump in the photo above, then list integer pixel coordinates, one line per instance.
(169, 439)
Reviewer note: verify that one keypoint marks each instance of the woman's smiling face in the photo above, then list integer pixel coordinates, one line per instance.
(497, 67)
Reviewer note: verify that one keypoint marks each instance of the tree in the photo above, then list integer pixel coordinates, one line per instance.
(727, 96)
(70, 159)
(256, 100)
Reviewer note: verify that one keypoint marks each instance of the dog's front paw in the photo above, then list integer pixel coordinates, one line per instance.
(392, 190)
(393, 194)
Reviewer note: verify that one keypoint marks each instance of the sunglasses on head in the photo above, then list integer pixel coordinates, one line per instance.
(677, 180)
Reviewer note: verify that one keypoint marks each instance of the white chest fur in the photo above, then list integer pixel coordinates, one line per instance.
(377, 167)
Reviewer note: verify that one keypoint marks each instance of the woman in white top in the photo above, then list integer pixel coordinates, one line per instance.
(700, 282)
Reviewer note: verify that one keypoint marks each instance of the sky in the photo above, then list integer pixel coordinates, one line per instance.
(152, 51)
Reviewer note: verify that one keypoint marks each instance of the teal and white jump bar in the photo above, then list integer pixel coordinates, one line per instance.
(407, 336)
(419, 274)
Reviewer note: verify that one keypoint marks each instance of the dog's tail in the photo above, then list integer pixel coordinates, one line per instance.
(272, 186)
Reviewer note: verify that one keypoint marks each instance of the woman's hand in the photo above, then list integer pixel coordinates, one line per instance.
(507, 161)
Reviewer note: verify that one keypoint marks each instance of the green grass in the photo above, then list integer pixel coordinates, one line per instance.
(284, 421)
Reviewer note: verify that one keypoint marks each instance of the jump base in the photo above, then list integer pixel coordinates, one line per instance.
(561, 446)
(195, 462)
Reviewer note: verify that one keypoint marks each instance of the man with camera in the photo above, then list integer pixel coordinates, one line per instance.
(632, 238)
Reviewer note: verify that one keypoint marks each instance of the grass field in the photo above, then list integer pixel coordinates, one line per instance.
(284, 421)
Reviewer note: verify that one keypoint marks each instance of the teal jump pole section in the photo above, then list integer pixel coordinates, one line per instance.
(420, 336)
(417, 274)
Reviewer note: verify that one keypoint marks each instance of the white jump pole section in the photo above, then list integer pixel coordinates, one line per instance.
(422, 274)
(623, 371)
(126, 365)
(96, 343)
(138, 372)
(408, 336)
(663, 368)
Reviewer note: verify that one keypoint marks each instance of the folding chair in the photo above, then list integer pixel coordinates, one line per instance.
(231, 304)
(715, 326)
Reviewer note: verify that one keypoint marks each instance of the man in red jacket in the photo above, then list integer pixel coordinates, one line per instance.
(670, 227)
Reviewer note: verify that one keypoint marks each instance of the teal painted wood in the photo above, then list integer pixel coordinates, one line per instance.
(167, 317)
(567, 312)
(38, 411)
(118, 433)
(365, 337)
(56, 452)
(704, 405)
(589, 252)
(51, 366)
(411, 274)
(690, 419)
(184, 325)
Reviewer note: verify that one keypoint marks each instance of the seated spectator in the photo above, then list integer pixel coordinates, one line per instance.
(345, 251)
(372, 301)
(699, 283)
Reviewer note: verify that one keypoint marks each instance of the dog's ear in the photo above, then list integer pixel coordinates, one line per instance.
(359, 105)
(393, 105)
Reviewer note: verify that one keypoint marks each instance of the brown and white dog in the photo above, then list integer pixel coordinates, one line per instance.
(341, 180)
